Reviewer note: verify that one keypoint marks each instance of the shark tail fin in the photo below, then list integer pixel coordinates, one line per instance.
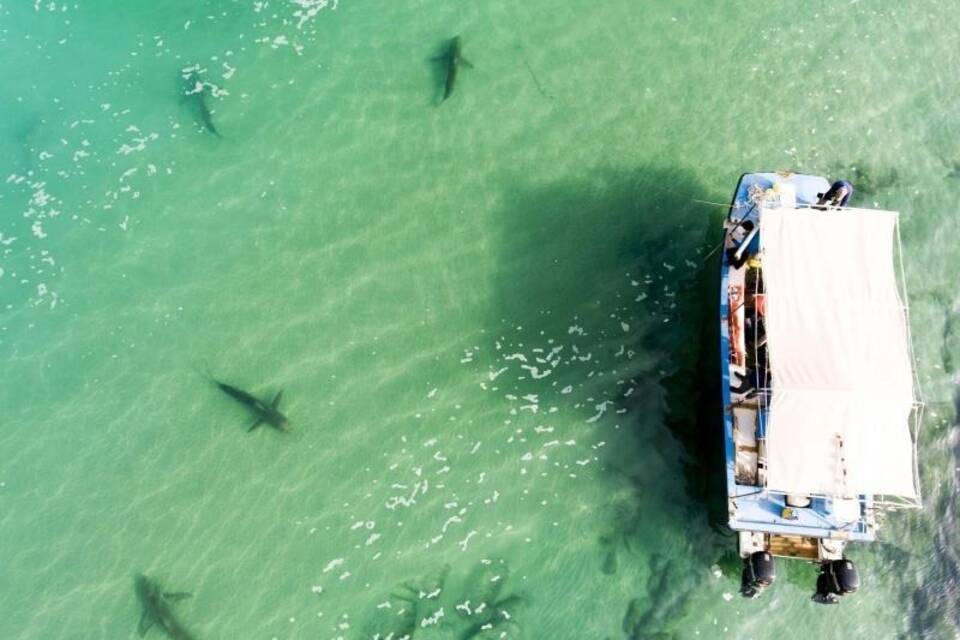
(276, 399)
(256, 424)
(177, 597)
(146, 621)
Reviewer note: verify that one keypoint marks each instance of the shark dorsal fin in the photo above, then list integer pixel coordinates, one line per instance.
(177, 597)
(276, 399)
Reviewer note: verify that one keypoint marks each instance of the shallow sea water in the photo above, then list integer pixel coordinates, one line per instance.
(492, 319)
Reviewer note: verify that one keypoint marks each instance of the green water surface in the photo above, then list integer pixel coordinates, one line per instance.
(491, 318)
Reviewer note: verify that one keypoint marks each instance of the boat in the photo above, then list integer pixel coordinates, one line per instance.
(821, 405)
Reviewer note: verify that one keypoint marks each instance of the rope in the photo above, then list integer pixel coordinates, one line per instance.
(536, 81)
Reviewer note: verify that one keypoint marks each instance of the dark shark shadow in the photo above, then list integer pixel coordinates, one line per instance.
(157, 609)
(263, 412)
(27, 135)
(438, 73)
(196, 97)
(448, 64)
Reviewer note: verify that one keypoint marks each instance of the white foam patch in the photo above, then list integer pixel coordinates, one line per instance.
(432, 619)
(463, 543)
(535, 372)
(333, 564)
(494, 374)
(601, 409)
(308, 10)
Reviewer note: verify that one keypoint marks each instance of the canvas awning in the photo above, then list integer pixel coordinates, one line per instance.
(842, 383)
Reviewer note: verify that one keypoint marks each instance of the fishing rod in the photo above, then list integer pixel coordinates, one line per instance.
(743, 219)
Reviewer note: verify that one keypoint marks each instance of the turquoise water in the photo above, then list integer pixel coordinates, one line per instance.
(491, 319)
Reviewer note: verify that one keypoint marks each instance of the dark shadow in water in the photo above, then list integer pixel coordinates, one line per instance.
(477, 604)
(934, 610)
(439, 63)
(867, 178)
(565, 255)
(627, 247)
(27, 136)
(410, 604)
(950, 336)
(651, 618)
(438, 71)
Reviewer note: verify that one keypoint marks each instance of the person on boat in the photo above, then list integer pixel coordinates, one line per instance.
(752, 381)
(757, 374)
(742, 231)
(838, 195)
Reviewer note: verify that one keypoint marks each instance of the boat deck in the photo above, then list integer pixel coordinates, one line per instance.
(751, 507)
(754, 510)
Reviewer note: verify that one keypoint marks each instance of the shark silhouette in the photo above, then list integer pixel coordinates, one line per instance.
(453, 58)
(158, 609)
(262, 412)
(195, 92)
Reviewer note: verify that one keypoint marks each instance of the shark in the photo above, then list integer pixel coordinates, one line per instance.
(263, 413)
(195, 91)
(158, 609)
(453, 58)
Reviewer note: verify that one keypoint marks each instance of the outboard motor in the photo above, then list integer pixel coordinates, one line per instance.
(838, 195)
(758, 572)
(837, 578)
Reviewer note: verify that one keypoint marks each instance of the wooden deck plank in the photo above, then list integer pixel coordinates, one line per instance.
(794, 547)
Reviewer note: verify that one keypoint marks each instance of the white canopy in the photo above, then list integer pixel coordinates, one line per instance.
(839, 354)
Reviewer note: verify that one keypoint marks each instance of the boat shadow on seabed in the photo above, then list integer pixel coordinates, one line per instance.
(619, 256)
(934, 611)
